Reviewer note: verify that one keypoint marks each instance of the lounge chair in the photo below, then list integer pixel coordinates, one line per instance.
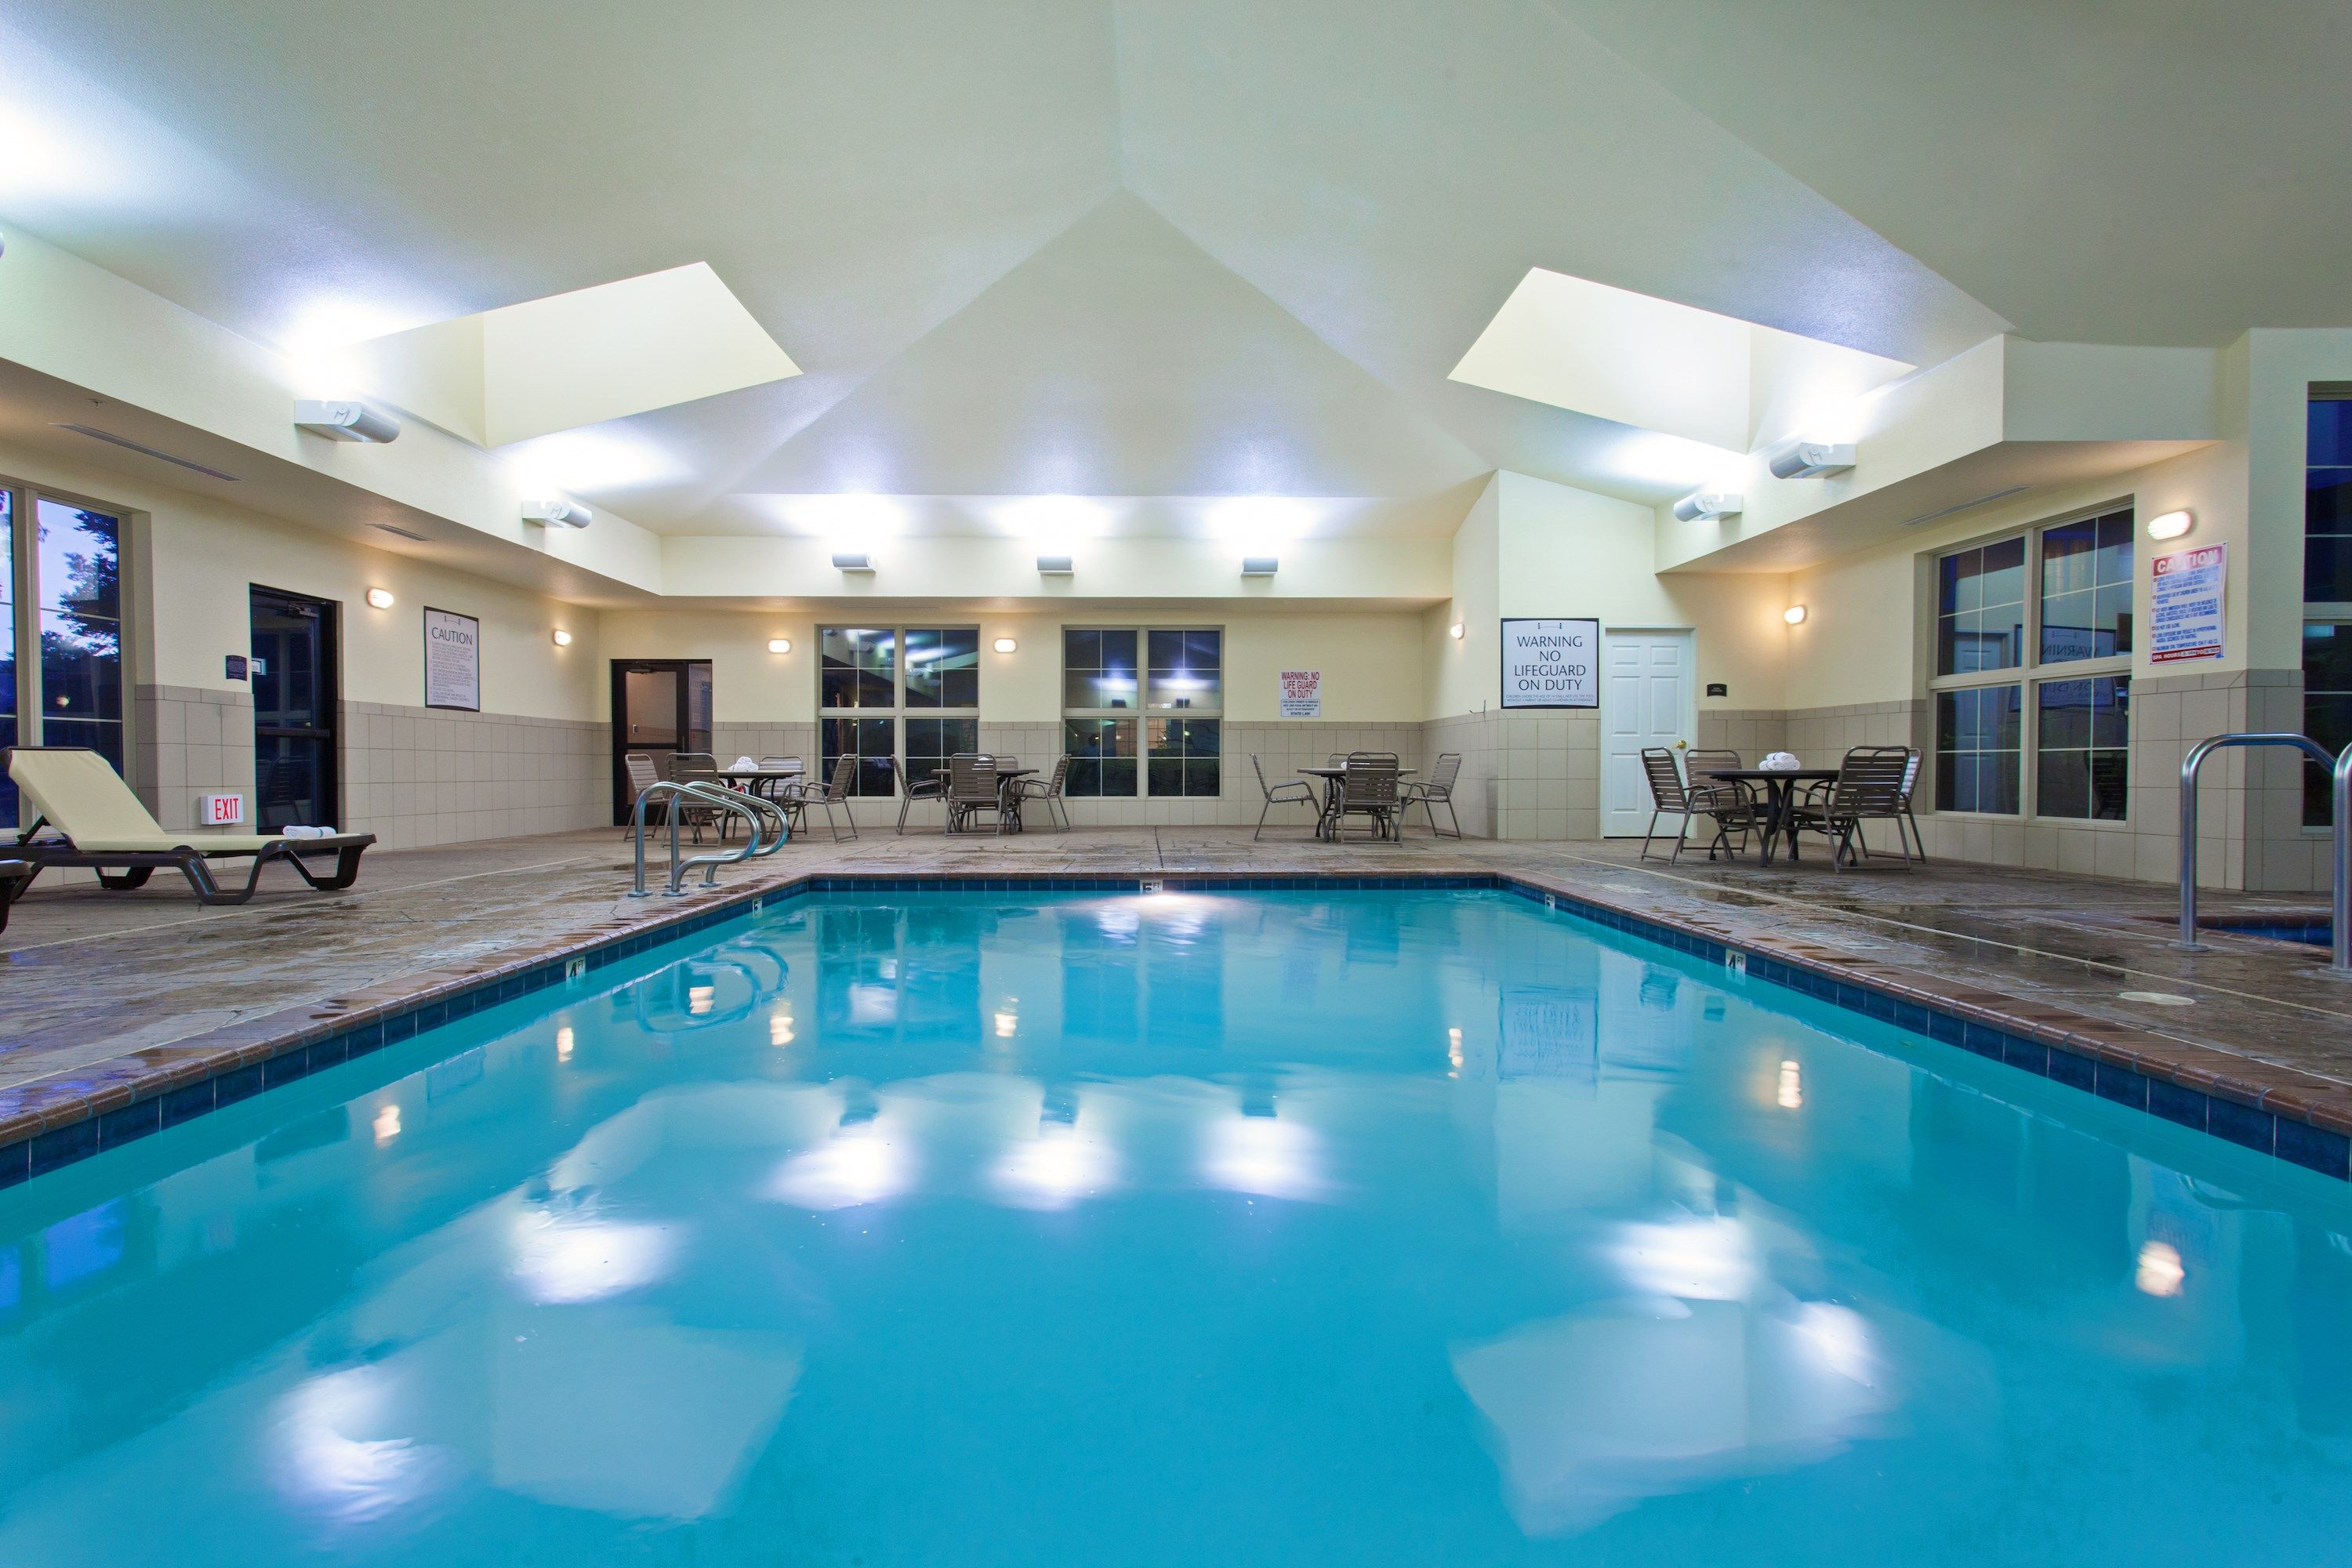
(1295, 792)
(77, 795)
(912, 789)
(14, 876)
(1047, 790)
(1437, 791)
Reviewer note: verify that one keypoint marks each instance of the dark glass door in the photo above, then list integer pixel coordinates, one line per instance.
(660, 707)
(296, 704)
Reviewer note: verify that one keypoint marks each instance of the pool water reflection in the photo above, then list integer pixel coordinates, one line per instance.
(1363, 1227)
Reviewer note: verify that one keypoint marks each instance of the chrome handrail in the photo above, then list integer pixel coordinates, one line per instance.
(752, 808)
(2340, 946)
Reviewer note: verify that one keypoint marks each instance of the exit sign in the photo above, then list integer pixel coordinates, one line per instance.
(220, 810)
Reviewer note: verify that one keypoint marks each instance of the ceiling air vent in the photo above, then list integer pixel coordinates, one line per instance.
(1964, 506)
(128, 444)
(403, 532)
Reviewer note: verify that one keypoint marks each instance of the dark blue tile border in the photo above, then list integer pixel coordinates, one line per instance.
(2269, 1132)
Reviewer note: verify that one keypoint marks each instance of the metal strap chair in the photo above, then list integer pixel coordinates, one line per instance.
(1369, 788)
(642, 774)
(1048, 790)
(1297, 792)
(698, 767)
(912, 789)
(972, 787)
(1437, 790)
(1730, 804)
(1869, 785)
(1669, 797)
(832, 793)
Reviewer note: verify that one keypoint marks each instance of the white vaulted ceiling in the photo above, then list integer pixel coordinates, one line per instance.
(1121, 248)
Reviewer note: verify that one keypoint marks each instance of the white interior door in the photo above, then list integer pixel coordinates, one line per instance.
(1647, 698)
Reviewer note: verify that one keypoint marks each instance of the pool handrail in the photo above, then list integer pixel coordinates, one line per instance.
(2340, 861)
(755, 812)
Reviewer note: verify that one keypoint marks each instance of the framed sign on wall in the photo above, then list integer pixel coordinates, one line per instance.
(1551, 664)
(453, 660)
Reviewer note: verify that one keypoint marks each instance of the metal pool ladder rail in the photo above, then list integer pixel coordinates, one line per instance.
(2340, 859)
(756, 813)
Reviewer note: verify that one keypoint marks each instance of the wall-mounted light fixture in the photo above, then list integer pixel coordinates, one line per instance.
(1056, 566)
(556, 513)
(379, 598)
(1701, 505)
(780, 644)
(852, 560)
(1454, 631)
(563, 637)
(345, 419)
(2171, 524)
(1260, 565)
(1794, 614)
(1004, 645)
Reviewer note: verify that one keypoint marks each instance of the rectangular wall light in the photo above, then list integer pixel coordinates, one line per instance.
(1259, 565)
(1056, 566)
(345, 419)
(845, 561)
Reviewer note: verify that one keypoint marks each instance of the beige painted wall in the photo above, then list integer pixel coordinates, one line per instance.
(198, 558)
(1372, 664)
(1863, 637)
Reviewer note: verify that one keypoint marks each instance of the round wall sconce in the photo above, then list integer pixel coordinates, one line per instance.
(379, 598)
(2171, 524)
(780, 644)
(563, 637)
(1454, 631)
(1004, 645)
(1794, 614)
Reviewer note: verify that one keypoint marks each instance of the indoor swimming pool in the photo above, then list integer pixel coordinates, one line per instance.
(1336, 1226)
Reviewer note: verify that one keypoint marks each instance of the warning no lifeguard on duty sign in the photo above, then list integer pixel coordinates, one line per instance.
(1551, 664)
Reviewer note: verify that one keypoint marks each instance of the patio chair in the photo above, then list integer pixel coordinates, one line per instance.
(76, 795)
(972, 787)
(1911, 782)
(698, 767)
(1369, 788)
(1281, 794)
(1869, 787)
(1436, 791)
(833, 792)
(1730, 804)
(912, 789)
(1669, 796)
(641, 775)
(1048, 790)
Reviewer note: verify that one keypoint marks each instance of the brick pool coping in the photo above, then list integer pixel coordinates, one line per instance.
(2292, 1115)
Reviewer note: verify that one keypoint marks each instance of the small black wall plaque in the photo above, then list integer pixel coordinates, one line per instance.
(1717, 689)
(236, 663)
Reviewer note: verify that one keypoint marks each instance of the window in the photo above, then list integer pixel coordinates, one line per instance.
(1170, 703)
(1994, 641)
(872, 679)
(2326, 587)
(61, 602)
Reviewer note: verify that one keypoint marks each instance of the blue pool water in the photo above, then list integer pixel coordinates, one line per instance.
(1358, 1227)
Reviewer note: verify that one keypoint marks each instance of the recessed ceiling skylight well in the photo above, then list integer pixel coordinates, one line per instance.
(1658, 366)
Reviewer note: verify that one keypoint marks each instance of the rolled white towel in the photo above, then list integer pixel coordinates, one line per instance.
(1780, 763)
(744, 765)
(307, 832)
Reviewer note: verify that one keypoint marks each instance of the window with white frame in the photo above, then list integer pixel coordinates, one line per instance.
(911, 692)
(2032, 688)
(61, 606)
(1159, 692)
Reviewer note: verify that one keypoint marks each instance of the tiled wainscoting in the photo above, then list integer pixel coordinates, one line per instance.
(416, 776)
(187, 742)
(412, 776)
(2251, 835)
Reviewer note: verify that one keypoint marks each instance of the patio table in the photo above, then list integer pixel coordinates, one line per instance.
(1327, 826)
(1779, 798)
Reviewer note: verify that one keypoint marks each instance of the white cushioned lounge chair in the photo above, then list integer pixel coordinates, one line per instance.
(73, 793)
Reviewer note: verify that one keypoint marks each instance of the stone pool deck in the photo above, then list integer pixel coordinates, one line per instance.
(112, 1003)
